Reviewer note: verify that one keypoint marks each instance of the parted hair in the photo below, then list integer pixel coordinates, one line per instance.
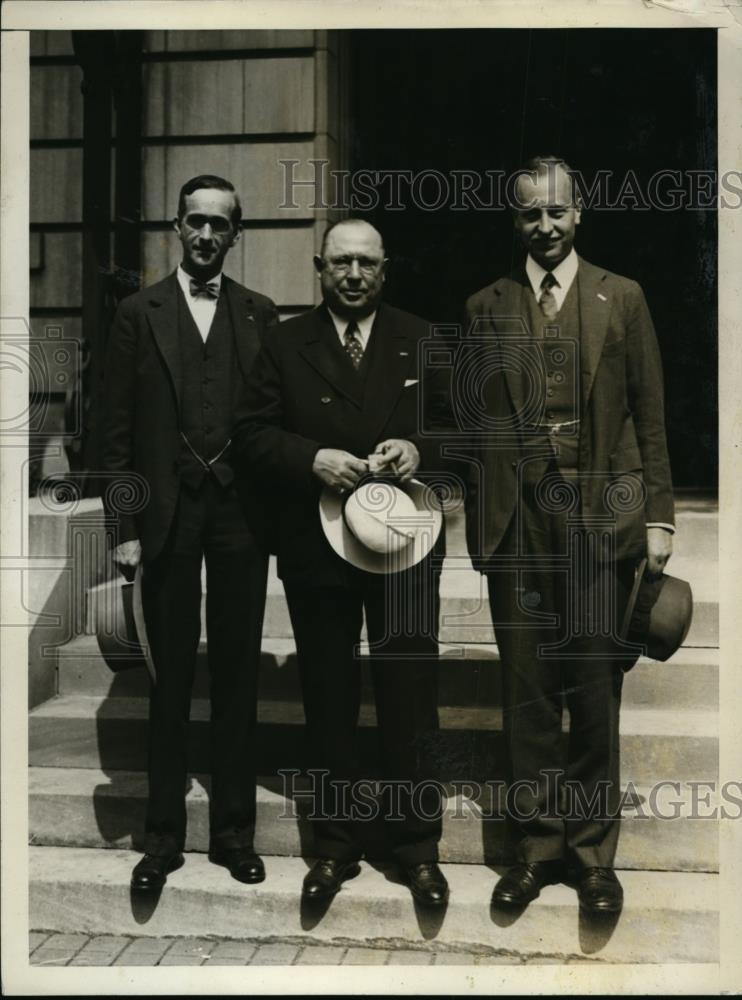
(209, 181)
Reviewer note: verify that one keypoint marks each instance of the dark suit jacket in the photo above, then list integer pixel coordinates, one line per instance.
(622, 431)
(142, 392)
(302, 396)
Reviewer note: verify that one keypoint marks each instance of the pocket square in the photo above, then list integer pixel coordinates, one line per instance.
(411, 381)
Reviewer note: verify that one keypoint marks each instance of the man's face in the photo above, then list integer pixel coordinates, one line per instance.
(351, 270)
(206, 231)
(546, 222)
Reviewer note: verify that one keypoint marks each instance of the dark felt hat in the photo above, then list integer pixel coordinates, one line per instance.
(119, 624)
(658, 614)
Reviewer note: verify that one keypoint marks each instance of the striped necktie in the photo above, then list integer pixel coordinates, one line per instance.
(547, 301)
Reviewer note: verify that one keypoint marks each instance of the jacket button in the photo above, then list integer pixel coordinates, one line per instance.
(326, 399)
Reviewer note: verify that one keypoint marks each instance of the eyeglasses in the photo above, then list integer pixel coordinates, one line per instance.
(217, 222)
(341, 265)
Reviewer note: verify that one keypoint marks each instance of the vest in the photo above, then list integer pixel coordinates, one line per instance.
(209, 374)
(561, 366)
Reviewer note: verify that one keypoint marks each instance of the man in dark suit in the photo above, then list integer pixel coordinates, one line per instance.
(571, 487)
(330, 388)
(179, 353)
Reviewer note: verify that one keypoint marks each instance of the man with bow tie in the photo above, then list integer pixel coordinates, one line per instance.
(178, 356)
(570, 487)
(330, 388)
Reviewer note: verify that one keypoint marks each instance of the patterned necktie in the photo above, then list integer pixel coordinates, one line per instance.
(353, 344)
(208, 288)
(547, 301)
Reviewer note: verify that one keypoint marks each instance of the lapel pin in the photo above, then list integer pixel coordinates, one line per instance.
(602, 297)
(326, 399)
(404, 354)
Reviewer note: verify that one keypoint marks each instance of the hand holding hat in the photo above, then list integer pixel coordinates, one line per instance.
(338, 469)
(398, 455)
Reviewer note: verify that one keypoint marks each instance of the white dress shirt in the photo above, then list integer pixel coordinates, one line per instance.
(565, 273)
(202, 307)
(364, 327)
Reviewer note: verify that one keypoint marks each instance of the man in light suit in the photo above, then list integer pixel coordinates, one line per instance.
(330, 388)
(178, 356)
(570, 488)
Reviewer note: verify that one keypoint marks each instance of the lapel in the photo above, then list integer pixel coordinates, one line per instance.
(509, 311)
(595, 302)
(162, 315)
(391, 359)
(321, 349)
(241, 306)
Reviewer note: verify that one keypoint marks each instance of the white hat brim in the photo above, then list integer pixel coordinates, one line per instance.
(427, 522)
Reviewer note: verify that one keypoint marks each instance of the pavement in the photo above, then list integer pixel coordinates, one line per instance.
(111, 950)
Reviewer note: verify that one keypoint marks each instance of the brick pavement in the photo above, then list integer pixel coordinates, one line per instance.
(106, 950)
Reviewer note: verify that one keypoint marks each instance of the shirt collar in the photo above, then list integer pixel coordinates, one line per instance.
(364, 325)
(564, 272)
(184, 280)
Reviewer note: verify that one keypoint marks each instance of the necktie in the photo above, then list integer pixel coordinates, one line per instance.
(353, 344)
(547, 301)
(208, 288)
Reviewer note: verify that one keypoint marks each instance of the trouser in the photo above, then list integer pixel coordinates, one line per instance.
(208, 523)
(556, 607)
(402, 620)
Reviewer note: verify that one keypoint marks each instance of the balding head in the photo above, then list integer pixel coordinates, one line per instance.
(351, 268)
(359, 224)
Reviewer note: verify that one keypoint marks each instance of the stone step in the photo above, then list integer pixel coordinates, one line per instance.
(696, 530)
(468, 675)
(110, 734)
(464, 615)
(79, 807)
(668, 916)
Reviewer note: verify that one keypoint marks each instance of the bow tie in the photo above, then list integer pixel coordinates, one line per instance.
(208, 288)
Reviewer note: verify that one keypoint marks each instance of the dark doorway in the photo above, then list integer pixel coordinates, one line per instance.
(618, 100)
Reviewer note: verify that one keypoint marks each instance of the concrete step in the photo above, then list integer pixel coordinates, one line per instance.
(668, 917)
(696, 530)
(79, 807)
(110, 733)
(465, 614)
(468, 675)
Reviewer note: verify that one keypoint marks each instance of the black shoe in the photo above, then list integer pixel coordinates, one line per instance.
(152, 871)
(326, 876)
(243, 863)
(522, 884)
(599, 891)
(427, 883)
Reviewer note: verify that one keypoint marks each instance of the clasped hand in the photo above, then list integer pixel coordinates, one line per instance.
(341, 471)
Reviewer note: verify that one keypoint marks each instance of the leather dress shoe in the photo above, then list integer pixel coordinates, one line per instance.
(243, 863)
(427, 883)
(599, 891)
(522, 884)
(326, 876)
(152, 871)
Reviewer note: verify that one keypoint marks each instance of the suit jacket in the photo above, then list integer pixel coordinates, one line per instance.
(623, 461)
(142, 395)
(303, 395)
